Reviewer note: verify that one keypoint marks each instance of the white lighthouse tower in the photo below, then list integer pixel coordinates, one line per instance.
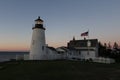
(38, 45)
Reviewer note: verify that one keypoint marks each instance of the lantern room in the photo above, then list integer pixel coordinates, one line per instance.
(39, 21)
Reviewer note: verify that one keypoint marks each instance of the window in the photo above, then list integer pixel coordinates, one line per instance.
(88, 53)
(33, 42)
(43, 48)
(79, 52)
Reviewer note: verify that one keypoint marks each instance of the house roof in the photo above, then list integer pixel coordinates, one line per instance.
(63, 49)
(82, 43)
(52, 48)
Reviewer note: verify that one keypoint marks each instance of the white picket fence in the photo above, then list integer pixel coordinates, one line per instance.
(104, 60)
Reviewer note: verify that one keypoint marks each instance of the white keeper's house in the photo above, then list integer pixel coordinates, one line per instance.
(86, 49)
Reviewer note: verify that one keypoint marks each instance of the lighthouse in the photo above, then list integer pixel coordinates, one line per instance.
(38, 44)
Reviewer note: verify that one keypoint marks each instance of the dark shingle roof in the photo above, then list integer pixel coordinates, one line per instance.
(52, 48)
(82, 43)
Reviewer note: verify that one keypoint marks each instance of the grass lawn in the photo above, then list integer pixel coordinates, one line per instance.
(58, 70)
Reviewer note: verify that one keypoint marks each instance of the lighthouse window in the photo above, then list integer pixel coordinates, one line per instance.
(43, 48)
(33, 42)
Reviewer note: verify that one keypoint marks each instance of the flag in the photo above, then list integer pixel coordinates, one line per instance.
(84, 34)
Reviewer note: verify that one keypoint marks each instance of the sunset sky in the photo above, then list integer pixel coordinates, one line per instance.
(63, 19)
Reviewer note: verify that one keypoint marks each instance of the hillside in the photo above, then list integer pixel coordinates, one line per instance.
(58, 70)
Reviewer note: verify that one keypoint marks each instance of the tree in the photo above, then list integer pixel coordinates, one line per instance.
(115, 46)
(109, 46)
(102, 49)
(105, 45)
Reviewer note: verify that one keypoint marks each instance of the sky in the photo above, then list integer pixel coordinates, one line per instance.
(63, 19)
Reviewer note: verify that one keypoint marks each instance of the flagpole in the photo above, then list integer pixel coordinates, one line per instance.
(88, 33)
(88, 43)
